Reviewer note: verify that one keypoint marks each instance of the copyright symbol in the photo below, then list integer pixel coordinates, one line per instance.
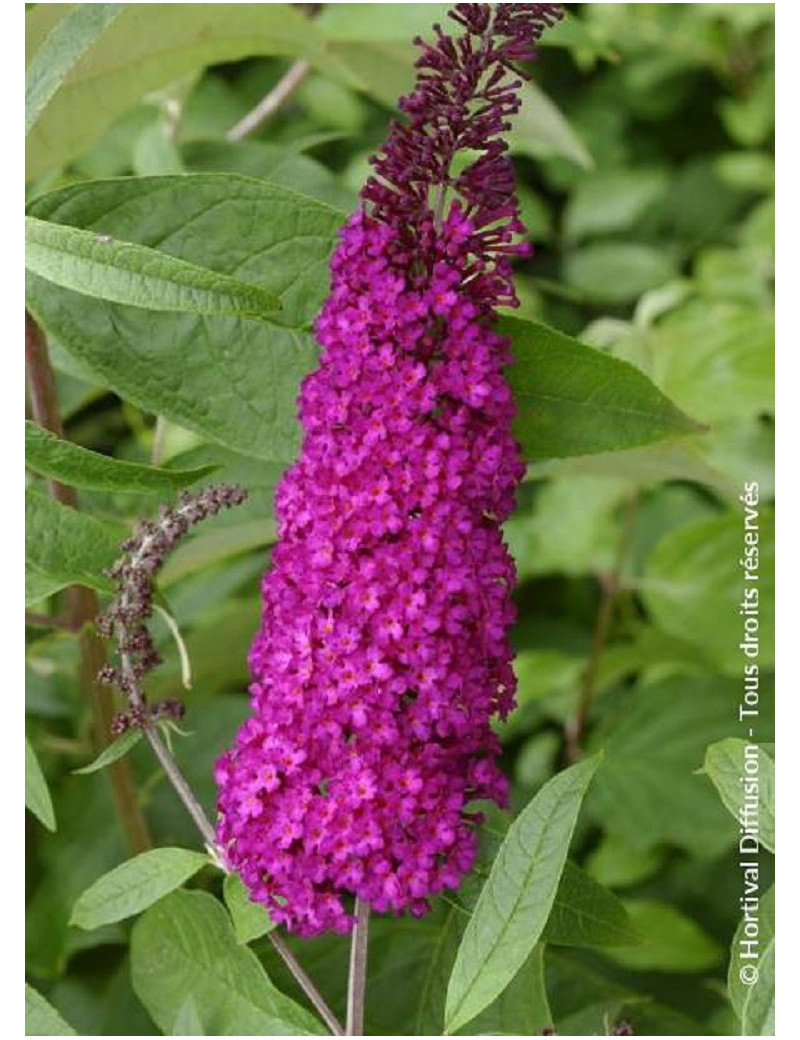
(748, 974)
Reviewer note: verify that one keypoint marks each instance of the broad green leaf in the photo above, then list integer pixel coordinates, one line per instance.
(84, 808)
(362, 23)
(744, 776)
(694, 582)
(647, 791)
(758, 1013)
(50, 456)
(61, 50)
(670, 941)
(280, 164)
(123, 272)
(135, 885)
(150, 46)
(541, 130)
(116, 749)
(229, 378)
(516, 900)
(187, 1021)
(716, 359)
(41, 1018)
(65, 547)
(682, 459)
(250, 920)
(185, 946)
(587, 1003)
(575, 400)
(572, 527)
(37, 793)
(751, 978)
(613, 201)
(617, 272)
(210, 547)
(618, 865)
(584, 913)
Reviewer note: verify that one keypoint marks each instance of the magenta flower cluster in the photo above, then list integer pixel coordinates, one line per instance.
(383, 653)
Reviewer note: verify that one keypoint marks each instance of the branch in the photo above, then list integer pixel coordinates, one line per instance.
(271, 102)
(48, 621)
(575, 730)
(357, 981)
(82, 602)
(125, 621)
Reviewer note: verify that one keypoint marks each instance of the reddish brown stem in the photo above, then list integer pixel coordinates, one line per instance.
(575, 730)
(82, 606)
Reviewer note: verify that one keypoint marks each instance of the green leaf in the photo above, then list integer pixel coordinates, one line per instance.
(229, 378)
(759, 935)
(584, 913)
(116, 749)
(693, 587)
(187, 1021)
(575, 400)
(617, 272)
(671, 942)
(210, 547)
(123, 272)
(50, 456)
(647, 791)
(753, 959)
(716, 359)
(758, 1014)
(250, 920)
(515, 901)
(616, 864)
(37, 793)
(611, 201)
(185, 947)
(135, 885)
(150, 46)
(41, 1018)
(64, 547)
(573, 527)
(586, 1003)
(521, 1009)
(61, 50)
(744, 776)
(541, 130)
(278, 163)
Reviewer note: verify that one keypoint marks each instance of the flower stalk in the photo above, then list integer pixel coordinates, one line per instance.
(125, 621)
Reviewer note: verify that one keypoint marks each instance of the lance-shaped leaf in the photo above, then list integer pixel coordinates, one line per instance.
(148, 47)
(135, 885)
(37, 794)
(64, 547)
(575, 400)
(744, 775)
(41, 1018)
(229, 378)
(184, 947)
(751, 972)
(50, 456)
(515, 902)
(61, 50)
(116, 749)
(123, 272)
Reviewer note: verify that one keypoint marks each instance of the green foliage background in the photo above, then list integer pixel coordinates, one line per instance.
(644, 162)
